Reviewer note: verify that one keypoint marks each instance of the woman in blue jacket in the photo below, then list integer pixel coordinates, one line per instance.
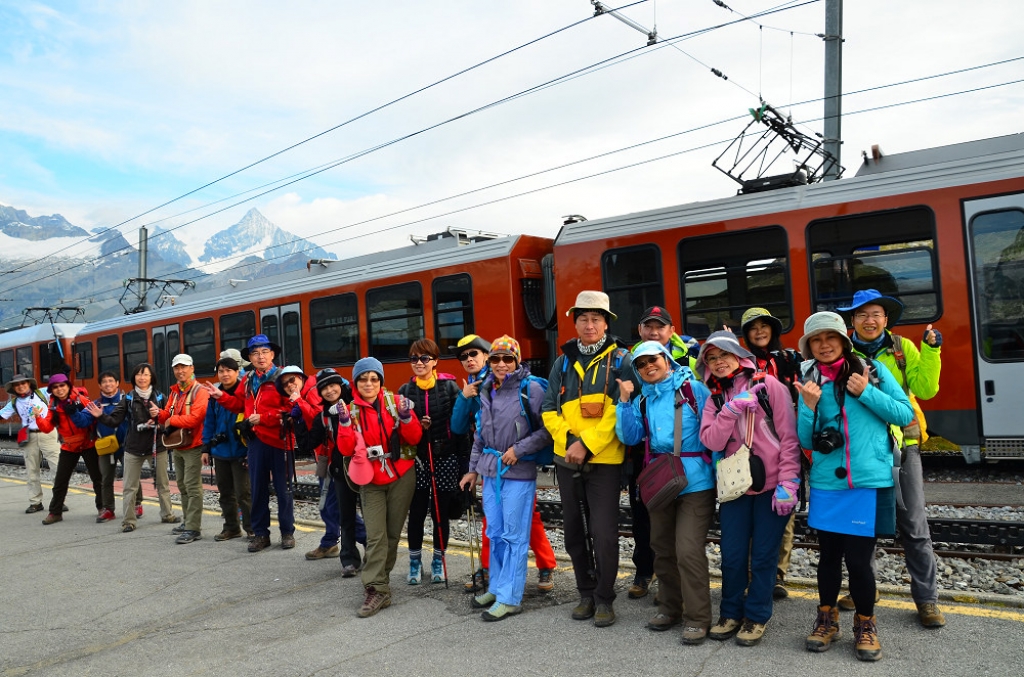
(679, 531)
(222, 441)
(845, 410)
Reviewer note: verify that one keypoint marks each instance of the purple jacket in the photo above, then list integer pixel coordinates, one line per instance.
(726, 431)
(502, 425)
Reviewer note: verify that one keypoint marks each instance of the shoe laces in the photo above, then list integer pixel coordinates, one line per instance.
(823, 624)
(747, 627)
(867, 631)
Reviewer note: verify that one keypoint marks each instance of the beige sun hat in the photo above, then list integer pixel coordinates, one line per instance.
(592, 300)
(818, 323)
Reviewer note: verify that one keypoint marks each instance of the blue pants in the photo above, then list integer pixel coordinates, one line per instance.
(341, 521)
(266, 464)
(751, 532)
(508, 527)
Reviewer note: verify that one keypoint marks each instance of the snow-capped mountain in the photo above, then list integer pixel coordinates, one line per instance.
(168, 247)
(17, 223)
(256, 235)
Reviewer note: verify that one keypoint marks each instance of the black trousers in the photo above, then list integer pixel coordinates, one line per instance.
(66, 468)
(346, 500)
(600, 501)
(423, 505)
(643, 553)
(859, 553)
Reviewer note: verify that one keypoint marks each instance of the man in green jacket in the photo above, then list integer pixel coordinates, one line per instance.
(917, 371)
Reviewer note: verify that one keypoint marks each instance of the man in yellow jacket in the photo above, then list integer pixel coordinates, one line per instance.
(579, 412)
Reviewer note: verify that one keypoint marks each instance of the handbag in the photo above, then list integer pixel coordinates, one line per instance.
(179, 438)
(107, 445)
(734, 477)
(663, 479)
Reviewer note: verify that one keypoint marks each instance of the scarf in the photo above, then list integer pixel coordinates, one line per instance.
(256, 380)
(871, 348)
(594, 349)
(720, 386)
(832, 371)
(146, 394)
(428, 382)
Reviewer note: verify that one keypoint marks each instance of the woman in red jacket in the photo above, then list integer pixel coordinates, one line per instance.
(390, 433)
(74, 425)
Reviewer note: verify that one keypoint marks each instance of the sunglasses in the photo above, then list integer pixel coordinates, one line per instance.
(421, 358)
(507, 359)
(468, 355)
(643, 362)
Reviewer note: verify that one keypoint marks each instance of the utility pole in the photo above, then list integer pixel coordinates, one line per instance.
(833, 84)
(143, 255)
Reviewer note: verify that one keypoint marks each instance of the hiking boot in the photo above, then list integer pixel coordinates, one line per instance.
(173, 519)
(105, 516)
(437, 570)
(227, 535)
(415, 571)
(188, 536)
(604, 616)
(545, 580)
(724, 629)
(930, 616)
(692, 635)
(865, 636)
(320, 552)
(138, 511)
(33, 507)
(374, 602)
(127, 528)
(53, 517)
(780, 591)
(846, 602)
(825, 631)
(483, 601)
(180, 529)
(662, 622)
(259, 543)
(64, 508)
(349, 571)
(584, 610)
(640, 587)
(750, 633)
(499, 612)
(287, 541)
(479, 581)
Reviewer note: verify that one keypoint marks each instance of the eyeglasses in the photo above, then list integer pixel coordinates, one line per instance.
(644, 362)
(421, 358)
(877, 315)
(260, 352)
(370, 377)
(469, 354)
(720, 357)
(507, 359)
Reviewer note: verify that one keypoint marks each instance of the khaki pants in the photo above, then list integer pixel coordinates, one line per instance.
(40, 445)
(385, 507)
(133, 481)
(678, 535)
(188, 469)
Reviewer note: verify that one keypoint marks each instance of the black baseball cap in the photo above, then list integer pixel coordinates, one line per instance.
(656, 313)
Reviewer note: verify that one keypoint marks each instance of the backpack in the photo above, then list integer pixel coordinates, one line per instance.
(545, 455)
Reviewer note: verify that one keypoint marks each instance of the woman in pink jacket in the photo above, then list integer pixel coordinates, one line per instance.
(752, 524)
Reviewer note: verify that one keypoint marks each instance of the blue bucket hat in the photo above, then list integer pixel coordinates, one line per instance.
(893, 308)
(368, 364)
(260, 341)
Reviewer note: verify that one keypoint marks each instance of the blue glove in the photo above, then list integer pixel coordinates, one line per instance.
(296, 412)
(934, 335)
(784, 499)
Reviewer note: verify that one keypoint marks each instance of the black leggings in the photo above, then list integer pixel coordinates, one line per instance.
(66, 467)
(422, 505)
(859, 552)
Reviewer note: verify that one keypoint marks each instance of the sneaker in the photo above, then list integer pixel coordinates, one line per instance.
(33, 507)
(640, 587)
(661, 622)
(127, 528)
(64, 508)
(105, 516)
(374, 602)
(604, 616)
(349, 571)
(415, 571)
(287, 541)
(259, 543)
(584, 610)
(180, 529)
(930, 616)
(53, 517)
(138, 510)
(724, 629)
(481, 579)
(499, 612)
(320, 552)
(780, 591)
(188, 536)
(750, 633)
(483, 601)
(437, 570)
(865, 636)
(825, 631)
(227, 535)
(173, 519)
(846, 602)
(692, 635)
(545, 580)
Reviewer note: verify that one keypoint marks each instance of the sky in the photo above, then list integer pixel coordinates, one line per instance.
(110, 109)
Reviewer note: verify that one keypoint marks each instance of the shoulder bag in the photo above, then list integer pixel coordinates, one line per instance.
(663, 479)
(179, 438)
(734, 476)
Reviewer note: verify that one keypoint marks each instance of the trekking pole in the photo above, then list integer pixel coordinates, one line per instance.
(472, 534)
(437, 507)
(588, 539)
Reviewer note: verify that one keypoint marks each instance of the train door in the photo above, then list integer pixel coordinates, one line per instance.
(166, 344)
(995, 241)
(283, 326)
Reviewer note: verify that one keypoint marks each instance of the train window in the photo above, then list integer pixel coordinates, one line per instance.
(632, 280)
(453, 309)
(23, 358)
(998, 267)
(334, 330)
(136, 350)
(108, 355)
(6, 365)
(236, 329)
(292, 335)
(395, 317)
(891, 251)
(723, 275)
(198, 343)
(83, 360)
(51, 361)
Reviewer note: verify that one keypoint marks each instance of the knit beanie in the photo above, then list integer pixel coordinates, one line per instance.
(506, 345)
(368, 364)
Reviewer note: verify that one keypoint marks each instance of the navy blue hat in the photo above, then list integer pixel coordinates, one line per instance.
(368, 364)
(326, 377)
(893, 308)
(260, 341)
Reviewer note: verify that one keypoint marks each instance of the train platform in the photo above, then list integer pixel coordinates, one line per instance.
(83, 598)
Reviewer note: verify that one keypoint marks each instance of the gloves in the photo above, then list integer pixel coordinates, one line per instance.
(784, 499)
(747, 400)
(296, 412)
(344, 417)
(405, 407)
(937, 335)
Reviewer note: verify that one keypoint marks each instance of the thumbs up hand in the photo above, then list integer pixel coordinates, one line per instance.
(932, 337)
(858, 382)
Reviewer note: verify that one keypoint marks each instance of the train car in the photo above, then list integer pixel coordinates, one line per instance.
(942, 229)
(336, 312)
(38, 352)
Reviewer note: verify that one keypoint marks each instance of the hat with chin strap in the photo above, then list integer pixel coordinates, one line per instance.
(893, 308)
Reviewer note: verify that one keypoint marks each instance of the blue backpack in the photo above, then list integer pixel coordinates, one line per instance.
(546, 455)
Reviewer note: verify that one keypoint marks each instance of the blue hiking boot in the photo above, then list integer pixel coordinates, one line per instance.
(437, 571)
(415, 571)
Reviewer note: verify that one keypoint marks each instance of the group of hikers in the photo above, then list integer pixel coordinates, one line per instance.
(739, 422)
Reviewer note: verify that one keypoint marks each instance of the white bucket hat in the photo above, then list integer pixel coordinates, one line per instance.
(819, 323)
(592, 300)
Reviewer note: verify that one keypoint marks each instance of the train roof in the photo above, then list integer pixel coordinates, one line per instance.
(942, 167)
(39, 332)
(432, 254)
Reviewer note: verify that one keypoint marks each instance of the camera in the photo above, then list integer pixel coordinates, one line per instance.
(828, 440)
(218, 439)
(375, 451)
(244, 429)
